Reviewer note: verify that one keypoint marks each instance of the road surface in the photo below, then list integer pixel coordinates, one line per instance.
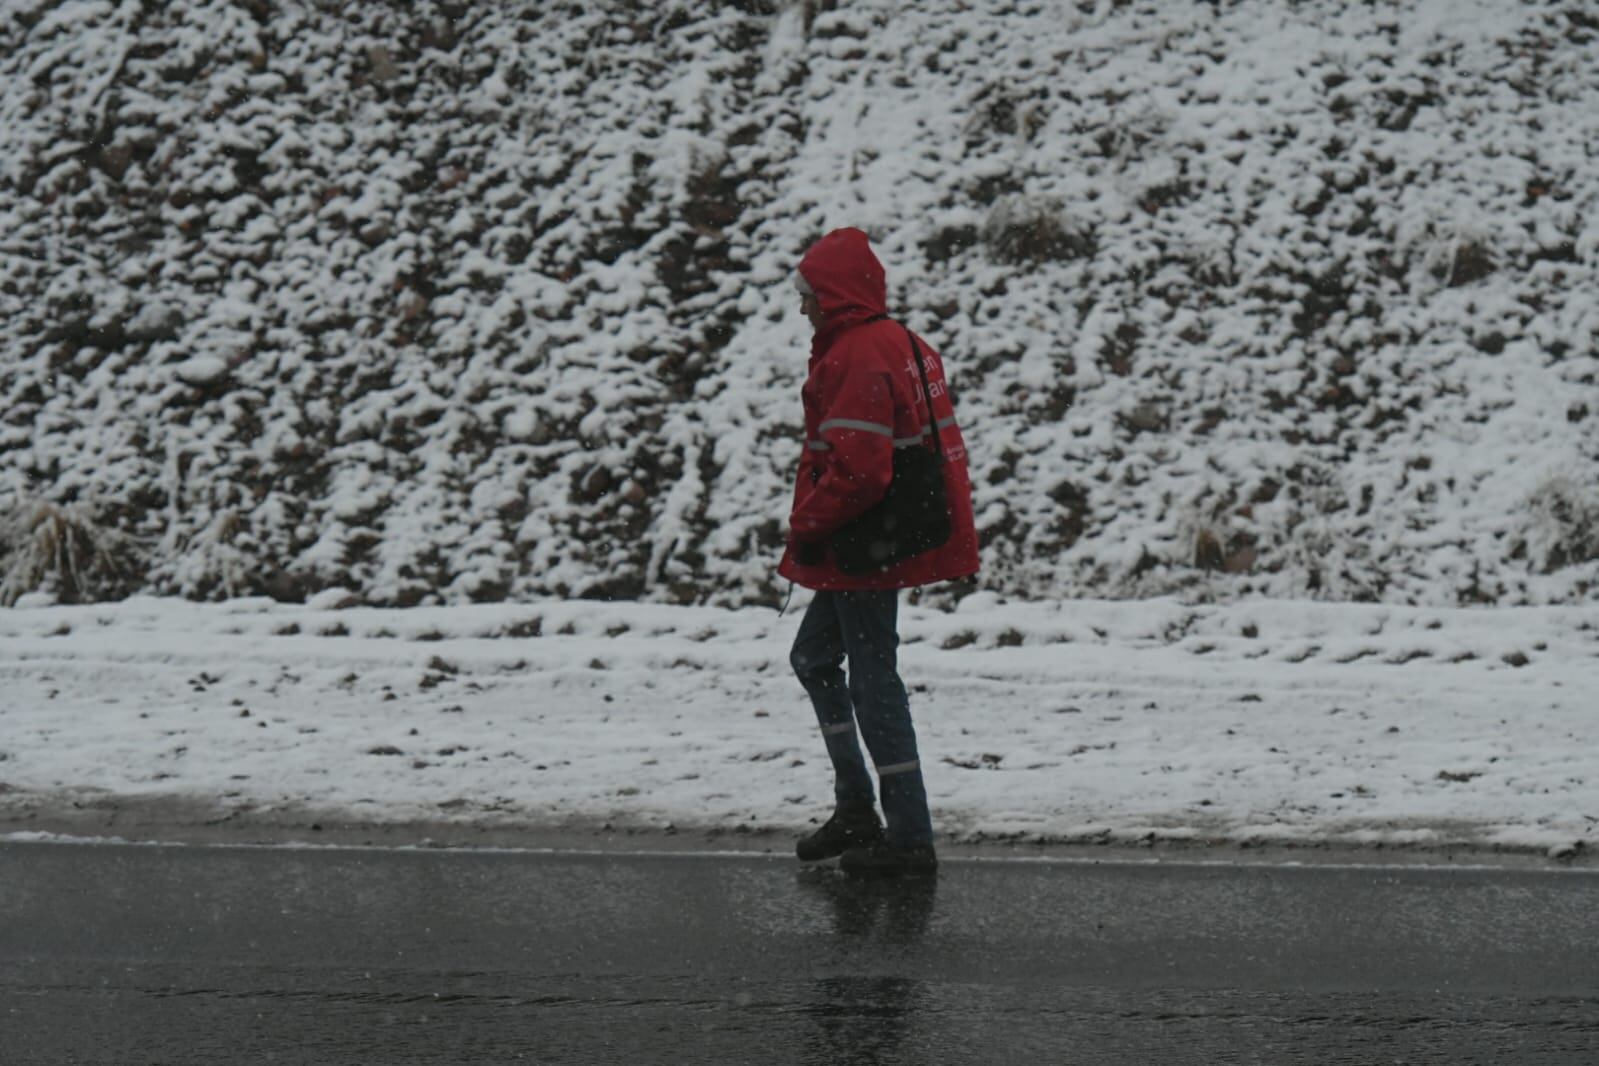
(146, 954)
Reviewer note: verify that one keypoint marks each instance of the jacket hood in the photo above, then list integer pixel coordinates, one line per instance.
(849, 282)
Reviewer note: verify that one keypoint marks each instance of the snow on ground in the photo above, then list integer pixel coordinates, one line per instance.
(1077, 721)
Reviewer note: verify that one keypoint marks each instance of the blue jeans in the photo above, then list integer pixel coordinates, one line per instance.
(862, 627)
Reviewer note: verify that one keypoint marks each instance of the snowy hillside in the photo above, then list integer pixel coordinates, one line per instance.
(461, 302)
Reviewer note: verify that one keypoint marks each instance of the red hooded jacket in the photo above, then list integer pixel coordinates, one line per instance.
(863, 399)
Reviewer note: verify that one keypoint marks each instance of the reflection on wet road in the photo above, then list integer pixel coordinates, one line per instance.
(142, 954)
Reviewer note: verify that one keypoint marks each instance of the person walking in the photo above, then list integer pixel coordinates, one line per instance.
(874, 388)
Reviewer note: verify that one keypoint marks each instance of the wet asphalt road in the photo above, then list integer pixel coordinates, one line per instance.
(131, 955)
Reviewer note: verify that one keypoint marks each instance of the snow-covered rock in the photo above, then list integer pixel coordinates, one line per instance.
(201, 370)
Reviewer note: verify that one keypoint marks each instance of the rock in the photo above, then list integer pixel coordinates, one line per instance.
(201, 370)
(154, 322)
(333, 599)
(597, 483)
(116, 160)
(1241, 561)
(1144, 418)
(384, 68)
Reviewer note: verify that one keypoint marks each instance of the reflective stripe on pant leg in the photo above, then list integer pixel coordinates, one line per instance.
(904, 798)
(818, 649)
(882, 711)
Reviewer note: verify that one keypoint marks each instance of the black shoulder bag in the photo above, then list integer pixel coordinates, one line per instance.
(913, 515)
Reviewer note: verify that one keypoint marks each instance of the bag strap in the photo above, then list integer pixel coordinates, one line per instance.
(927, 387)
(927, 394)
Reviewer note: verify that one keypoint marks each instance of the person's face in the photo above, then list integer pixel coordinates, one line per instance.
(812, 308)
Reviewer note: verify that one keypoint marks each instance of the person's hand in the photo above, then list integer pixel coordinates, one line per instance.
(810, 552)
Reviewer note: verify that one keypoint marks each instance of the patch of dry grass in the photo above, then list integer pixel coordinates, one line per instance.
(61, 547)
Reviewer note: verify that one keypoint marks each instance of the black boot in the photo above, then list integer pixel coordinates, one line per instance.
(883, 859)
(852, 828)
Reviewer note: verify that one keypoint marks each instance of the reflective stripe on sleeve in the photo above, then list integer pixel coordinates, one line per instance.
(818, 446)
(906, 442)
(852, 423)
